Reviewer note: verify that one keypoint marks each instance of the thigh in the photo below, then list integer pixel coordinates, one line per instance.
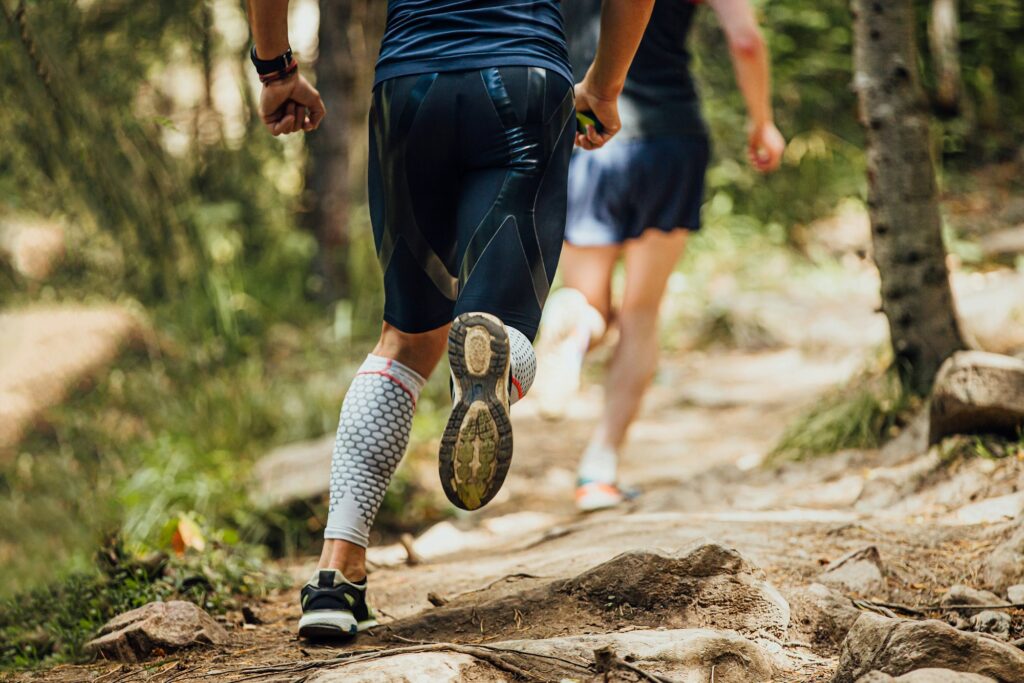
(517, 128)
(589, 270)
(650, 260)
(412, 187)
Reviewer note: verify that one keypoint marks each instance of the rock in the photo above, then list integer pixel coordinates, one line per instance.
(164, 626)
(419, 667)
(899, 646)
(1008, 242)
(857, 572)
(1015, 594)
(998, 509)
(965, 595)
(683, 654)
(292, 472)
(704, 586)
(1005, 566)
(993, 623)
(820, 615)
(32, 245)
(926, 676)
(976, 391)
(991, 309)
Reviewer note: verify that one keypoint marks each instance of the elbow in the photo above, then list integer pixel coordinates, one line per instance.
(747, 43)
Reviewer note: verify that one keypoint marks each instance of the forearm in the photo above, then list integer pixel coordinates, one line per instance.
(622, 26)
(753, 76)
(268, 20)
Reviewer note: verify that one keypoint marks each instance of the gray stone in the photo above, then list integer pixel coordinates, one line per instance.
(857, 572)
(1015, 594)
(820, 616)
(1005, 566)
(992, 622)
(899, 646)
(156, 627)
(965, 595)
(976, 391)
(926, 676)
(677, 654)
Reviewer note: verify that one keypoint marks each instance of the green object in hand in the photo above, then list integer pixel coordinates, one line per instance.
(587, 118)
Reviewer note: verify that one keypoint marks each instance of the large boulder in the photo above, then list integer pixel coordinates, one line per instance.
(706, 585)
(899, 646)
(926, 676)
(976, 391)
(156, 628)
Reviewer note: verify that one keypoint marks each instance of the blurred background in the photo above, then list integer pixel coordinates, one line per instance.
(183, 297)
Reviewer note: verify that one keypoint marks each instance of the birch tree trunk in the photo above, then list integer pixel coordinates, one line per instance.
(902, 194)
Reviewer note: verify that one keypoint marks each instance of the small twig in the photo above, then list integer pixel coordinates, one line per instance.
(607, 661)
(412, 558)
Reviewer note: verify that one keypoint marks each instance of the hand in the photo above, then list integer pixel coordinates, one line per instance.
(605, 109)
(291, 105)
(765, 146)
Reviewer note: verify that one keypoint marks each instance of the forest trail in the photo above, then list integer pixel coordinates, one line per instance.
(49, 349)
(721, 554)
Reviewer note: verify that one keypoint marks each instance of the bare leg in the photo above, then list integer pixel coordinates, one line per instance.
(420, 352)
(650, 260)
(589, 270)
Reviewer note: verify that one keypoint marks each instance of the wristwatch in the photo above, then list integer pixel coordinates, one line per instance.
(269, 66)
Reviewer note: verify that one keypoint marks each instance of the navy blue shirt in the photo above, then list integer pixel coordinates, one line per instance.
(660, 94)
(424, 36)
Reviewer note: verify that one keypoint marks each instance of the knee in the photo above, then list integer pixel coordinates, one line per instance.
(419, 351)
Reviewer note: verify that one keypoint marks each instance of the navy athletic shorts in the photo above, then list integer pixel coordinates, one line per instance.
(628, 186)
(467, 188)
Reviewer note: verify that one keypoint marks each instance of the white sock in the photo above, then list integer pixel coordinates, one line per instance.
(524, 364)
(373, 432)
(599, 464)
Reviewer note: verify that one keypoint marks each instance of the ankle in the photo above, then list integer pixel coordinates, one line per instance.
(346, 557)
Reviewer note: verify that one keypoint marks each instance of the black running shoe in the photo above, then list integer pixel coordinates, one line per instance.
(476, 449)
(333, 607)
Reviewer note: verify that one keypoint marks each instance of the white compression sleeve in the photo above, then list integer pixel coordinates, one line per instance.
(524, 364)
(376, 417)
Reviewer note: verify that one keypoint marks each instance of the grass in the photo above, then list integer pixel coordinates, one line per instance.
(53, 622)
(863, 414)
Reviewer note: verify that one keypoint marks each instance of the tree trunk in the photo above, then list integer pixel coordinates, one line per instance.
(944, 44)
(902, 193)
(327, 171)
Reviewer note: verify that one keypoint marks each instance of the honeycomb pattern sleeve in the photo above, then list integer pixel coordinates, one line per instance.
(524, 364)
(373, 432)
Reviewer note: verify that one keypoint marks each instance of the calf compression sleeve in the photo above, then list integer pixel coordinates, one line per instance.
(524, 364)
(376, 417)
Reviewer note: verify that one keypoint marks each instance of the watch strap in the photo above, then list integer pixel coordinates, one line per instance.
(269, 66)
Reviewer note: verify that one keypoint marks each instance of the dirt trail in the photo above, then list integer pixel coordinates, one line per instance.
(529, 569)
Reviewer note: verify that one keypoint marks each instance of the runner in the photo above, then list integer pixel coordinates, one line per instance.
(637, 199)
(471, 130)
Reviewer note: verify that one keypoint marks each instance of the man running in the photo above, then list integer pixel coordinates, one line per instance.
(471, 130)
(637, 199)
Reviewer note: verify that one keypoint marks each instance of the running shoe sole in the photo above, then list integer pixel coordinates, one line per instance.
(476, 449)
(331, 624)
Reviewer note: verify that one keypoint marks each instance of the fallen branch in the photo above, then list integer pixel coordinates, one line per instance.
(923, 610)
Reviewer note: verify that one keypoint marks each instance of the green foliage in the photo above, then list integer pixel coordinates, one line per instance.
(861, 415)
(52, 622)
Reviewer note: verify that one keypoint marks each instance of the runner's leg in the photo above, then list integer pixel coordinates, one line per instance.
(650, 259)
(372, 436)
